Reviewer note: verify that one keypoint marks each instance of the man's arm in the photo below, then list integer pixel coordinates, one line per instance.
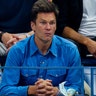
(10, 39)
(72, 34)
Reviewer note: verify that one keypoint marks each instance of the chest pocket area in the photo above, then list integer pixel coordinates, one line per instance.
(28, 76)
(57, 76)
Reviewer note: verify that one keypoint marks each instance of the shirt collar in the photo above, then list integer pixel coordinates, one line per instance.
(53, 47)
(34, 48)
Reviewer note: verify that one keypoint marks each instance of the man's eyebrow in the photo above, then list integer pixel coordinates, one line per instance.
(46, 20)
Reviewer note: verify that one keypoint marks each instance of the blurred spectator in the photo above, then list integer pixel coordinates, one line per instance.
(77, 21)
(14, 19)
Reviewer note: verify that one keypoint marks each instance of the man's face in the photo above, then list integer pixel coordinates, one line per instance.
(44, 27)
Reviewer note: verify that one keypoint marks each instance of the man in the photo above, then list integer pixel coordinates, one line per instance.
(14, 20)
(42, 51)
(77, 21)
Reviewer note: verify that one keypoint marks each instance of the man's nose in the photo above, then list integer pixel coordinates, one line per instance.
(48, 26)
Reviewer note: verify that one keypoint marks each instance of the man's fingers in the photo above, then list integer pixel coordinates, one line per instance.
(11, 42)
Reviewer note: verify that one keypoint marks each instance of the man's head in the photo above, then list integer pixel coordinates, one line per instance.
(43, 6)
(44, 16)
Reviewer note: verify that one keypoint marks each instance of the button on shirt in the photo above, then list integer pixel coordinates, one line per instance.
(33, 65)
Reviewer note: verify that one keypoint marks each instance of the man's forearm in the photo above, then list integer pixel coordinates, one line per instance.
(72, 34)
(31, 33)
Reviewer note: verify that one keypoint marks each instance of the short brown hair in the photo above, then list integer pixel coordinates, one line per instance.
(43, 6)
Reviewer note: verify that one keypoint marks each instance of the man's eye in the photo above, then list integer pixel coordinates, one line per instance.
(52, 23)
(43, 23)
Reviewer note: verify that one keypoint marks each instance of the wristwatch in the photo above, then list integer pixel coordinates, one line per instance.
(1, 33)
(27, 35)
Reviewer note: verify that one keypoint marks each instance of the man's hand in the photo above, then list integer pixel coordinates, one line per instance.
(15, 39)
(45, 88)
(91, 46)
(6, 37)
(10, 39)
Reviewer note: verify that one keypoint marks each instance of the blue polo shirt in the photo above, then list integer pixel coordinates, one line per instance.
(15, 15)
(28, 64)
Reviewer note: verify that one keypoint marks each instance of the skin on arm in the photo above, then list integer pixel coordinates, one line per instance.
(18, 37)
(72, 34)
(10, 39)
(6, 37)
(31, 33)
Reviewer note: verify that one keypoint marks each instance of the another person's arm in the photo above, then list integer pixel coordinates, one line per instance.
(65, 20)
(72, 34)
(10, 39)
(18, 37)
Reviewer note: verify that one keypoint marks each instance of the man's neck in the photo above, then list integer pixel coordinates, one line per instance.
(43, 47)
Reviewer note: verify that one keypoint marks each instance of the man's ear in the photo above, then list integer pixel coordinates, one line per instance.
(33, 26)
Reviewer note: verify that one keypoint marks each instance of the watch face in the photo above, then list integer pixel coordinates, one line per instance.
(27, 35)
